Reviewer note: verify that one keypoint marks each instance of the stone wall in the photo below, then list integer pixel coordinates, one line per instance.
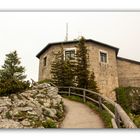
(128, 72)
(106, 74)
(45, 71)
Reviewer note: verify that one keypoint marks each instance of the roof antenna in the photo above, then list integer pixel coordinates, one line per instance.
(66, 38)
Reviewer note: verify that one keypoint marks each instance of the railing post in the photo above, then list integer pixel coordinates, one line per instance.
(84, 96)
(100, 102)
(69, 92)
(117, 117)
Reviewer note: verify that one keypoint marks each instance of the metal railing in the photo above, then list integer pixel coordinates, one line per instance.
(119, 116)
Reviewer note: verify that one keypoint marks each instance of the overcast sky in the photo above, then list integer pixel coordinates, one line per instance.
(29, 32)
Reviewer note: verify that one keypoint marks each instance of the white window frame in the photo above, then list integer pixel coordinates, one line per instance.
(68, 49)
(103, 51)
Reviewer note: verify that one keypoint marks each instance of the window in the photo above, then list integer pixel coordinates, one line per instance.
(70, 54)
(44, 61)
(103, 57)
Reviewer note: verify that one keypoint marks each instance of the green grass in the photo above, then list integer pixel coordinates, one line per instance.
(49, 124)
(44, 81)
(105, 116)
(129, 99)
(8, 115)
(135, 118)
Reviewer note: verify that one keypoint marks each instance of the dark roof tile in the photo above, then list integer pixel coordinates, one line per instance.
(75, 41)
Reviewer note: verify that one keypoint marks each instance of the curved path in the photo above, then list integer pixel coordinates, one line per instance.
(79, 115)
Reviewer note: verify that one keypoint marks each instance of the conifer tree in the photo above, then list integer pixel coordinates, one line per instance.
(62, 70)
(92, 84)
(12, 75)
(82, 72)
(57, 69)
(85, 78)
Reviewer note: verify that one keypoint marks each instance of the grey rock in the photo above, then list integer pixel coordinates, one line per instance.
(54, 102)
(6, 123)
(2, 108)
(47, 103)
(5, 101)
(32, 113)
(50, 112)
(40, 95)
(26, 109)
(20, 103)
(25, 123)
(18, 110)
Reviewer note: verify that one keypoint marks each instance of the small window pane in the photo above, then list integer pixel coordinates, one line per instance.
(70, 54)
(103, 57)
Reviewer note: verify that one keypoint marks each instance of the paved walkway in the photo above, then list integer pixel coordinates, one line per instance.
(79, 115)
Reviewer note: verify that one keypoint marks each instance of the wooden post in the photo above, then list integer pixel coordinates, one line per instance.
(100, 102)
(114, 123)
(84, 96)
(128, 123)
(69, 92)
(117, 117)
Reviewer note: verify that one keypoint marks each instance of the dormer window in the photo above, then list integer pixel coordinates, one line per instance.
(103, 57)
(69, 53)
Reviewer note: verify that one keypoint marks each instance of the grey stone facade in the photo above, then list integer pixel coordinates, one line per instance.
(128, 72)
(115, 72)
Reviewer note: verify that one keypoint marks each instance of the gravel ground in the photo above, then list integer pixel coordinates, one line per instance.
(79, 115)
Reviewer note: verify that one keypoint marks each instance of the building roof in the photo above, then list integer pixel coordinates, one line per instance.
(128, 60)
(75, 41)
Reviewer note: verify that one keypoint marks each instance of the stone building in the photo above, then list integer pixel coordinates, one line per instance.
(110, 70)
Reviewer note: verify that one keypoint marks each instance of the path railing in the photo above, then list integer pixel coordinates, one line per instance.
(119, 116)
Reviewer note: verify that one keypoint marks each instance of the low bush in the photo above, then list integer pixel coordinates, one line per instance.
(129, 99)
(44, 81)
(135, 119)
(49, 124)
(123, 98)
(11, 87)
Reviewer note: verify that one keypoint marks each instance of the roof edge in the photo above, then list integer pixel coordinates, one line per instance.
(75, 41)
(128, 60)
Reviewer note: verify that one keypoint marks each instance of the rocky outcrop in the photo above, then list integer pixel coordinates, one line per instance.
(39, 107)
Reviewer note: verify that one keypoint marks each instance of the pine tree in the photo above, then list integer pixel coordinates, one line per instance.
(82, 72)
(92, 84)
(12, 75)
(57, 69)
(62, 70)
